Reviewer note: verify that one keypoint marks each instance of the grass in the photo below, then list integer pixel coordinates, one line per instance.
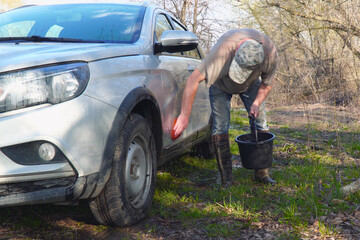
(311, 163)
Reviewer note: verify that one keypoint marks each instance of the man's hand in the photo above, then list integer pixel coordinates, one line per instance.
(181, 124)
(254, 110)
(189, 94)
(260, 97)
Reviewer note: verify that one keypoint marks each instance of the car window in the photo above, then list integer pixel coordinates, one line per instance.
(92, 22)
(162, 24)
(178, 26)
(54, 31)
(193, 53)
(18, 29)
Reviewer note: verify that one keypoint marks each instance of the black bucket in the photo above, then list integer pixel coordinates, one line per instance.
(256, 155)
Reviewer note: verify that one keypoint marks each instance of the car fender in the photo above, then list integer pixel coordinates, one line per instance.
(140, 96)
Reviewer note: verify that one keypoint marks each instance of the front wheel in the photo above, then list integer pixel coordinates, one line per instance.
(127, 196)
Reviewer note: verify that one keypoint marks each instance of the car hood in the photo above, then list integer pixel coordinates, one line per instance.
(24, 55)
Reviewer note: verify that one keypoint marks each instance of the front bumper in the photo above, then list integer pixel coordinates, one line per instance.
(11, 172)
(78, 128)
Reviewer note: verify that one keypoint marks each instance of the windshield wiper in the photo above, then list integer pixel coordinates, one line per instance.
(36, 38)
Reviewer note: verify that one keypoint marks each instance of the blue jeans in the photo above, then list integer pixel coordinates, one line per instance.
(220, 108)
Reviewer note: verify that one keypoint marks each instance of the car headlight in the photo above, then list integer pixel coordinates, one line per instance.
(51, 84)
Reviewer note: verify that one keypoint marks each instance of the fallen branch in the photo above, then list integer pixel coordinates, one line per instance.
(351, 188)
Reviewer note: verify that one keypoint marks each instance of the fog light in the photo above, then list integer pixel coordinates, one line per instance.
(33, 153)
(47, 151)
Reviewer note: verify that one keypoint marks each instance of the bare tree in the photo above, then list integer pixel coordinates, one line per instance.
(318, 43)
(196, 16)
(342, 17)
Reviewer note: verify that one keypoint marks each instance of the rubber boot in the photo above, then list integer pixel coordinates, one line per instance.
(262, 176)
(223, 156)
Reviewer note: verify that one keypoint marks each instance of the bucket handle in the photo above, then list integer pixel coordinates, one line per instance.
(253, 123)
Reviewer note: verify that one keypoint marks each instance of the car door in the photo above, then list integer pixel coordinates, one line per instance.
(176, 68)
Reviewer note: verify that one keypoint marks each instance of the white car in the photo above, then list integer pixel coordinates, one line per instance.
(88, 97)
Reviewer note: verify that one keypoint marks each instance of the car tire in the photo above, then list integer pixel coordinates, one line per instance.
(127, 196)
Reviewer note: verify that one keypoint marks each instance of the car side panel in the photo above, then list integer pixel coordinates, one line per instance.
(165, 78)
(179, 68)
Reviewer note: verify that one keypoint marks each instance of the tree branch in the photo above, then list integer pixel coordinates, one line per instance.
(334, 23)
(351, 188)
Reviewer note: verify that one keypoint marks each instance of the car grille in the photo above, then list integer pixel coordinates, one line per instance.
(25, 187)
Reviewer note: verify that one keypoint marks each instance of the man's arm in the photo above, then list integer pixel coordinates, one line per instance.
(189, 94)
(260, 97)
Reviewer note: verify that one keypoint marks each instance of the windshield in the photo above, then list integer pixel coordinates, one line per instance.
(87, 22)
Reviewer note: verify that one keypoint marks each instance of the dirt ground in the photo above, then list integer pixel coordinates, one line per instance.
(77, 222)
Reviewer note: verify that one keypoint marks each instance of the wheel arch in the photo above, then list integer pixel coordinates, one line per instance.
(141, 101)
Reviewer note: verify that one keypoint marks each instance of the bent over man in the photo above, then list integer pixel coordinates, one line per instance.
(243, 61)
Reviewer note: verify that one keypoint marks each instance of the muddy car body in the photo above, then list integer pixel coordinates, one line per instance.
(88, 97)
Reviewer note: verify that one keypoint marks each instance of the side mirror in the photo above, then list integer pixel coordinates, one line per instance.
(172, 41)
